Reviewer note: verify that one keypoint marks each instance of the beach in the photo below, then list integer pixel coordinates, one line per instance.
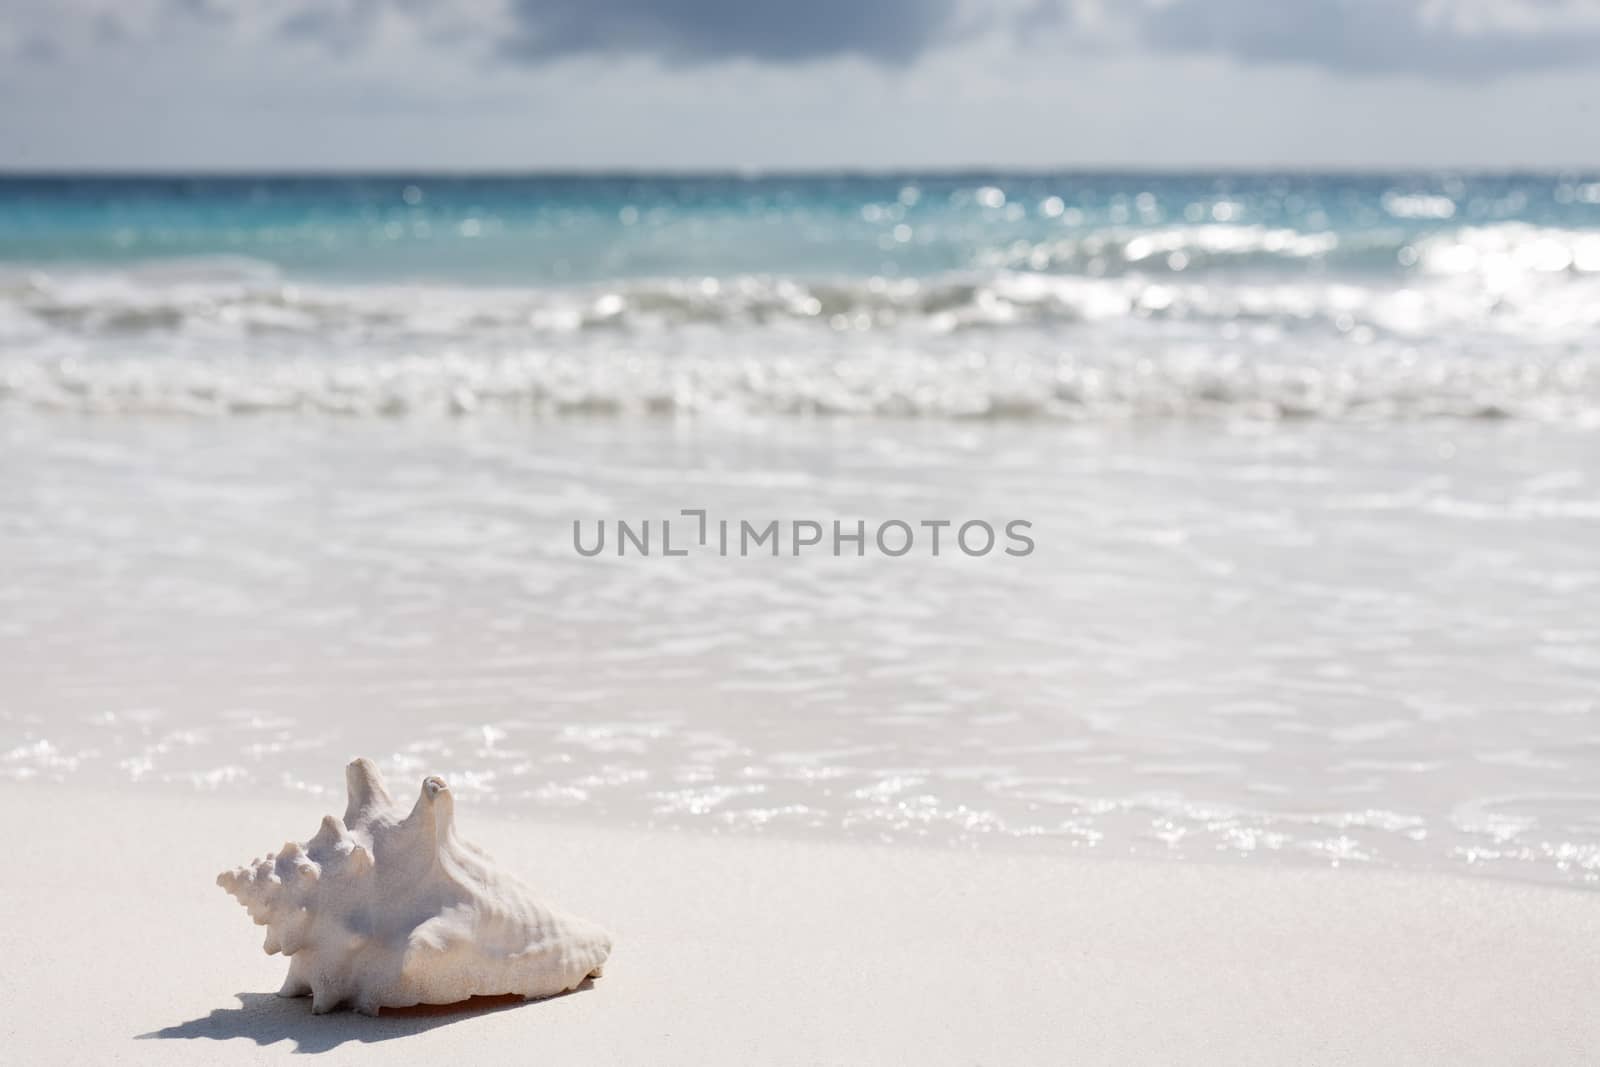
(120, 949)
(927, 618)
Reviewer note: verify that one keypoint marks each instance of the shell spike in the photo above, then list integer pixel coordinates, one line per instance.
(366, 789)
(329, 836)
(434, 814)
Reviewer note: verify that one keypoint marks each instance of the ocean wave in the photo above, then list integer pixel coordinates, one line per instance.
(1508, 253)
(1178, 382)
(1540, 284)
(1495, 253)
(1511, 330)
(1190, 247)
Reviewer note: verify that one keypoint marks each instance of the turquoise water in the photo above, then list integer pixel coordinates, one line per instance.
(542, 230)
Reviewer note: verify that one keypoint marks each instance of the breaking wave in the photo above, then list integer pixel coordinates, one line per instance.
(1181, 384)
(1488, 321)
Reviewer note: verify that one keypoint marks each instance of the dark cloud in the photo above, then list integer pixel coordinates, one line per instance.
(1443, 40)
(341, 25)
(1450, 41)
(108, 29)
(889, 31)
(38, 48)
(202, 10)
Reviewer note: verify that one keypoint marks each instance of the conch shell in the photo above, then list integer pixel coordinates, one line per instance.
(388, 909)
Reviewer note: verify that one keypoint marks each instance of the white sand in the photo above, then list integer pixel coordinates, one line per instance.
(118, 947)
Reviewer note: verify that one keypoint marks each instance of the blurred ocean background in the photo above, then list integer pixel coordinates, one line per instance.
(289, 468)
(1058, 296)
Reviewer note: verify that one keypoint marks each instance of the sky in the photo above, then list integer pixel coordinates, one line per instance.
(861, 84)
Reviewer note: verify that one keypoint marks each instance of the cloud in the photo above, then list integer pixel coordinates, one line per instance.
(340, 26)
(691, 31)
(1447, 39)
(1459, 41)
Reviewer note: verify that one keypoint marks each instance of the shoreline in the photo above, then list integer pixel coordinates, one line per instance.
(744, 949)
(510, 820)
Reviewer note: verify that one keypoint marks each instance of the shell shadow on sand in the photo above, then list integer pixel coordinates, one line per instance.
(267, 1019)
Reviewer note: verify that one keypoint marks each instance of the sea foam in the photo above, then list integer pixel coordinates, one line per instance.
(1491, 322)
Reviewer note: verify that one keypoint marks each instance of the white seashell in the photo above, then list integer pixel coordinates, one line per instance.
(390, 909)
